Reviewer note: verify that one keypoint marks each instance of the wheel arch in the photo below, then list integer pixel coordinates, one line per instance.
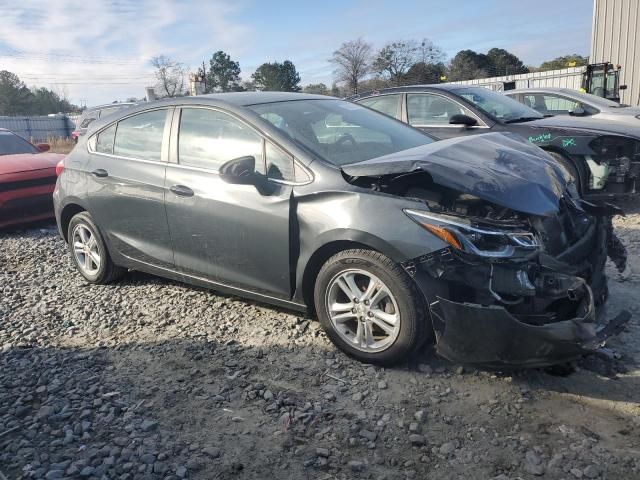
(68, 212)
(582, 175)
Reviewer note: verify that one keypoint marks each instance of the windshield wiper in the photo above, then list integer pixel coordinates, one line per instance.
(522, 119)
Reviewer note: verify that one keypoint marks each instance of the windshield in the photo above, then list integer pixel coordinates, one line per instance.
(497, 105)
(11, 144)
(338, 131)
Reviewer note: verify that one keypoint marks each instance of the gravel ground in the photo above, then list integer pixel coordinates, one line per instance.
(148, 378)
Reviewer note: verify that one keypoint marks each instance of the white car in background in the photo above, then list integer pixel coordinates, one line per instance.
(564, 101)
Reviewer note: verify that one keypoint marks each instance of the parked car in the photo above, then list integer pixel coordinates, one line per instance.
(603, 158)
(564, 101)
(27, 180)
(318, 204)
(94, 113)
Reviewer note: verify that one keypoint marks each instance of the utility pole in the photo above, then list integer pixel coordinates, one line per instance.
(204, 76)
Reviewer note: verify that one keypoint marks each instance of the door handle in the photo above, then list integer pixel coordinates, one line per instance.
(100, 172)
(181, 191)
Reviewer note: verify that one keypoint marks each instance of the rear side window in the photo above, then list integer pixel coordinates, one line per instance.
(208, 139)
(140, 136)
(104, 142)
(387, 104)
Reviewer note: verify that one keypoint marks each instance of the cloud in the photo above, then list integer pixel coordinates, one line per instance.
(99, 51)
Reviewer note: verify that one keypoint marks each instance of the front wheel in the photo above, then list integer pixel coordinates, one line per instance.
(89, 252)
(369, 307)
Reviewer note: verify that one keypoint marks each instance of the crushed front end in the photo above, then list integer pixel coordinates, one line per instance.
(519, 290)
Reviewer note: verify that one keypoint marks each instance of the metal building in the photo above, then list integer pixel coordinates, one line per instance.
(562, 78)
(615, 38)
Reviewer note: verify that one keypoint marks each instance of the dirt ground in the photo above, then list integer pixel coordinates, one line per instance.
(148, 378)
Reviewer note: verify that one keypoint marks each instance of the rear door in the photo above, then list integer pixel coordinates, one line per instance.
(431, 112)
(125, 179)
(236, 235)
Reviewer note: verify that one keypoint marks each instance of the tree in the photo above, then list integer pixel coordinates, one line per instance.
(352, 62)
(15, 97)
(567, 61)
(170, 75)
(316, 88)
(277, 76)
(467, 65)
(395, 59)
(503, 62)
(224, 73)
(425, 73)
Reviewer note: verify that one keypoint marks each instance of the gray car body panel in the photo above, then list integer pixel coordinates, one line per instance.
(259, 241)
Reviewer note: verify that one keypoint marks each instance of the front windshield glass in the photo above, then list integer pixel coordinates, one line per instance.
(338, 131)
(497, 105)
(11, 144)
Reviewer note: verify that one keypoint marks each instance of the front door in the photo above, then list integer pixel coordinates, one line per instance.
(432, 112)
(236, 235)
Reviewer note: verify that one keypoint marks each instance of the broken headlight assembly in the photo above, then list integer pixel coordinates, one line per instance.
(461, 235)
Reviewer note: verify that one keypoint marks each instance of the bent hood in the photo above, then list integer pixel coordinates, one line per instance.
(498, 167)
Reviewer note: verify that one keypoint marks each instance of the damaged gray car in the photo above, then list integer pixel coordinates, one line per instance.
(479, 244)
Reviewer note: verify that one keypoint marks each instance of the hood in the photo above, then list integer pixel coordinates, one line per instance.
(25, 162)
(497, 167)
(587, 124)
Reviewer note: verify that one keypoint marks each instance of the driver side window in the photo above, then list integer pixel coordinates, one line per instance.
(425, 109)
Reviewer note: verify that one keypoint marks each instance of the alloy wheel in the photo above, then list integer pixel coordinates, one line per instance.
(85, 249)
(362, 310)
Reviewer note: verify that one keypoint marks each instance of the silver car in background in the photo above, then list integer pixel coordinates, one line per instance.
(564, 101)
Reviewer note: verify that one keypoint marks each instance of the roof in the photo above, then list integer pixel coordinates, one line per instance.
(254, 98)
(568, 91)
(411, 88)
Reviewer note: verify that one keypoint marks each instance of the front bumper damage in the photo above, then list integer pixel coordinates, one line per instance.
(523, 312)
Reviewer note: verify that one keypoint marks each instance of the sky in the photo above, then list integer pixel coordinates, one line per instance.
(98, 51)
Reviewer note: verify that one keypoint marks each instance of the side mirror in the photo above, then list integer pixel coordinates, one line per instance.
(240, 171)
(577, 112)
(460, 119)
(43, 147)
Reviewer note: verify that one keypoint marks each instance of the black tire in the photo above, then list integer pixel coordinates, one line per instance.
(107, 271)
(569, 167)
(410, 304)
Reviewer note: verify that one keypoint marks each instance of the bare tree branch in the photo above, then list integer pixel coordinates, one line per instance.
(352, 61)
(170, 75)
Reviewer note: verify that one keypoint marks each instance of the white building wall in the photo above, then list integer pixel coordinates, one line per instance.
(615, 38)
(563, 78)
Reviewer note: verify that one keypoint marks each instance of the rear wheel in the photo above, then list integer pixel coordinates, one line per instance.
(89, 252)
(369, 307)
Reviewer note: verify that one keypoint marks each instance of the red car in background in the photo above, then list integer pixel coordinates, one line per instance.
(27, 180)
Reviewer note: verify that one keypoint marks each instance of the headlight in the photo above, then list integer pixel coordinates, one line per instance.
(470, 239)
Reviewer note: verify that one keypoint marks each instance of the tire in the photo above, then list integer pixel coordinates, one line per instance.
(569, 167)
(84, 236)
(404, 303)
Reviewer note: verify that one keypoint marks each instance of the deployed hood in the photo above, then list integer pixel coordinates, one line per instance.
(498, 167)
(587, 124)
(26, 162)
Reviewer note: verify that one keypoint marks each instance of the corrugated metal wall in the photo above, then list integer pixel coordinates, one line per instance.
(563, 78)
(39, 129)
(615, 38)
